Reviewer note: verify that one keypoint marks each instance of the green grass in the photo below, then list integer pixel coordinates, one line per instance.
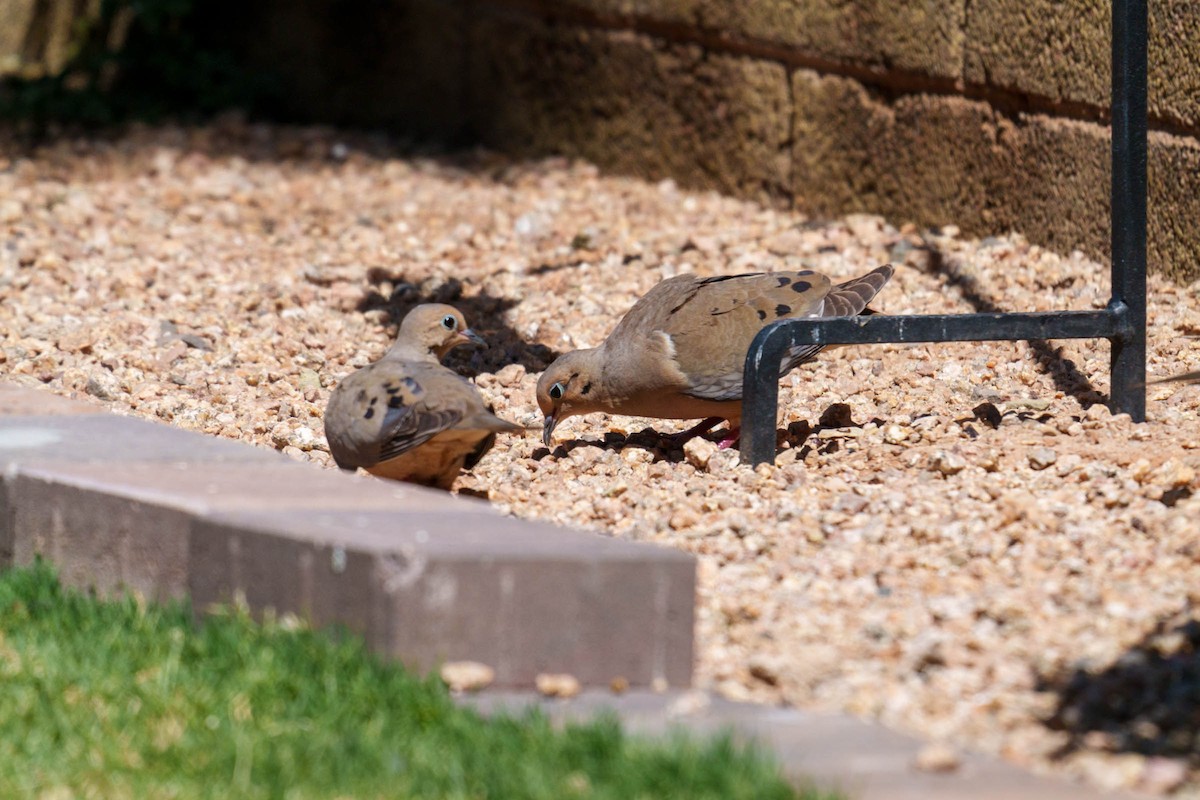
(118, 699)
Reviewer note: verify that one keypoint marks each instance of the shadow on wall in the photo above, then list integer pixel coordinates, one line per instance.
(393, 294)
(1146, 702)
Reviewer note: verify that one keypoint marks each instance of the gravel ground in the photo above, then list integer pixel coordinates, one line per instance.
(956, 540)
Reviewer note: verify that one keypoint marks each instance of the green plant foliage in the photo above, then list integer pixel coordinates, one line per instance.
(120, 699)
(136, 59)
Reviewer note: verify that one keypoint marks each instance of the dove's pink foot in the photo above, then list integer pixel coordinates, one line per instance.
(730, 439)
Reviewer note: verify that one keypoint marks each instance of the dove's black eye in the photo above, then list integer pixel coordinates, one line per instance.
(556, 391)
(449, 322)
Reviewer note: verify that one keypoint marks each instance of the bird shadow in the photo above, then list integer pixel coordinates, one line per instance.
(667, 446)
(394, 295)
(1147, 701)
(661, 446)
(1067, 376)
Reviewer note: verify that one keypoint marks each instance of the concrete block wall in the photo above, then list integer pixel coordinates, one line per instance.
(988, 114)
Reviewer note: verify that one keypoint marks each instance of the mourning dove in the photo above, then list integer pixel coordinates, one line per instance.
(679, 353)
(407, 417)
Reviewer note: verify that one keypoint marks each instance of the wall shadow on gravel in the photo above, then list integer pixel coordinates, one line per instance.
(1146, 702)
(393, 294)
(1067, 377)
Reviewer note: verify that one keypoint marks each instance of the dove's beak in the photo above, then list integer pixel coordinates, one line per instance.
(548, 429)
(469, 336)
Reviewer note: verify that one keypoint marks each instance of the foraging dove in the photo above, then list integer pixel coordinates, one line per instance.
(407, 417)
(680, 351)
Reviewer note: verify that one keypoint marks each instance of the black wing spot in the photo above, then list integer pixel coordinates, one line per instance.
(587, 387)
(806, 272)
(374, 400)
(781, 309)
(362, 396)
(762, 314)
(801, 286)
(391, 388)
(370, 413)
(783, 280)
(395, 402)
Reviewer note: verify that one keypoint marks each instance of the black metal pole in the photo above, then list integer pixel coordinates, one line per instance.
(1127, 376)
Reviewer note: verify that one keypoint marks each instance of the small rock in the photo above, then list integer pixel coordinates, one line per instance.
(79, 340)
(987, 394)
(990, 460)
(725, 459)
(104, 385)
(937, 758)
(1032, 403)
(510, 375)
(310, 384)
(850, 503)
(895, 434)
(699, 452)
(683, 518)
(466, 676)
(1042, 457)
(557, 684)
(948, 463)
(1162, 775)
(198, 342)
(688, 703)
(174, 352)
(302, 439)
(11, 211)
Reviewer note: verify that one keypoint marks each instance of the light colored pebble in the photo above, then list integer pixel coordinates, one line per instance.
(466, 676)
(1042, 457)
(937, 757)
(557, 684)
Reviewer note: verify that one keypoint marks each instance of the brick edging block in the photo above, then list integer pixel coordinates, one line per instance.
(118, 503)
(425, 588)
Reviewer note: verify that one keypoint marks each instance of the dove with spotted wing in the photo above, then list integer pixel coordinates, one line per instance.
(679, 353)
(407, 417)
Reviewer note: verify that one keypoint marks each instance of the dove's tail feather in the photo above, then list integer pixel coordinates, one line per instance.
(851, 297)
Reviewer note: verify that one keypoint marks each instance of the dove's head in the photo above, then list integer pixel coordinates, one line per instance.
(433, 328)
(568, 387)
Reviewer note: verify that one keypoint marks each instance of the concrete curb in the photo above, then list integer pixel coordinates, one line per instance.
(116, 502)
(830, 751)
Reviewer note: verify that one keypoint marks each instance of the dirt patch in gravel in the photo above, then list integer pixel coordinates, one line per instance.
(970, 547)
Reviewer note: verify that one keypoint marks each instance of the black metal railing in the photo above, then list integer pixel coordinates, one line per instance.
(1123, 322)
